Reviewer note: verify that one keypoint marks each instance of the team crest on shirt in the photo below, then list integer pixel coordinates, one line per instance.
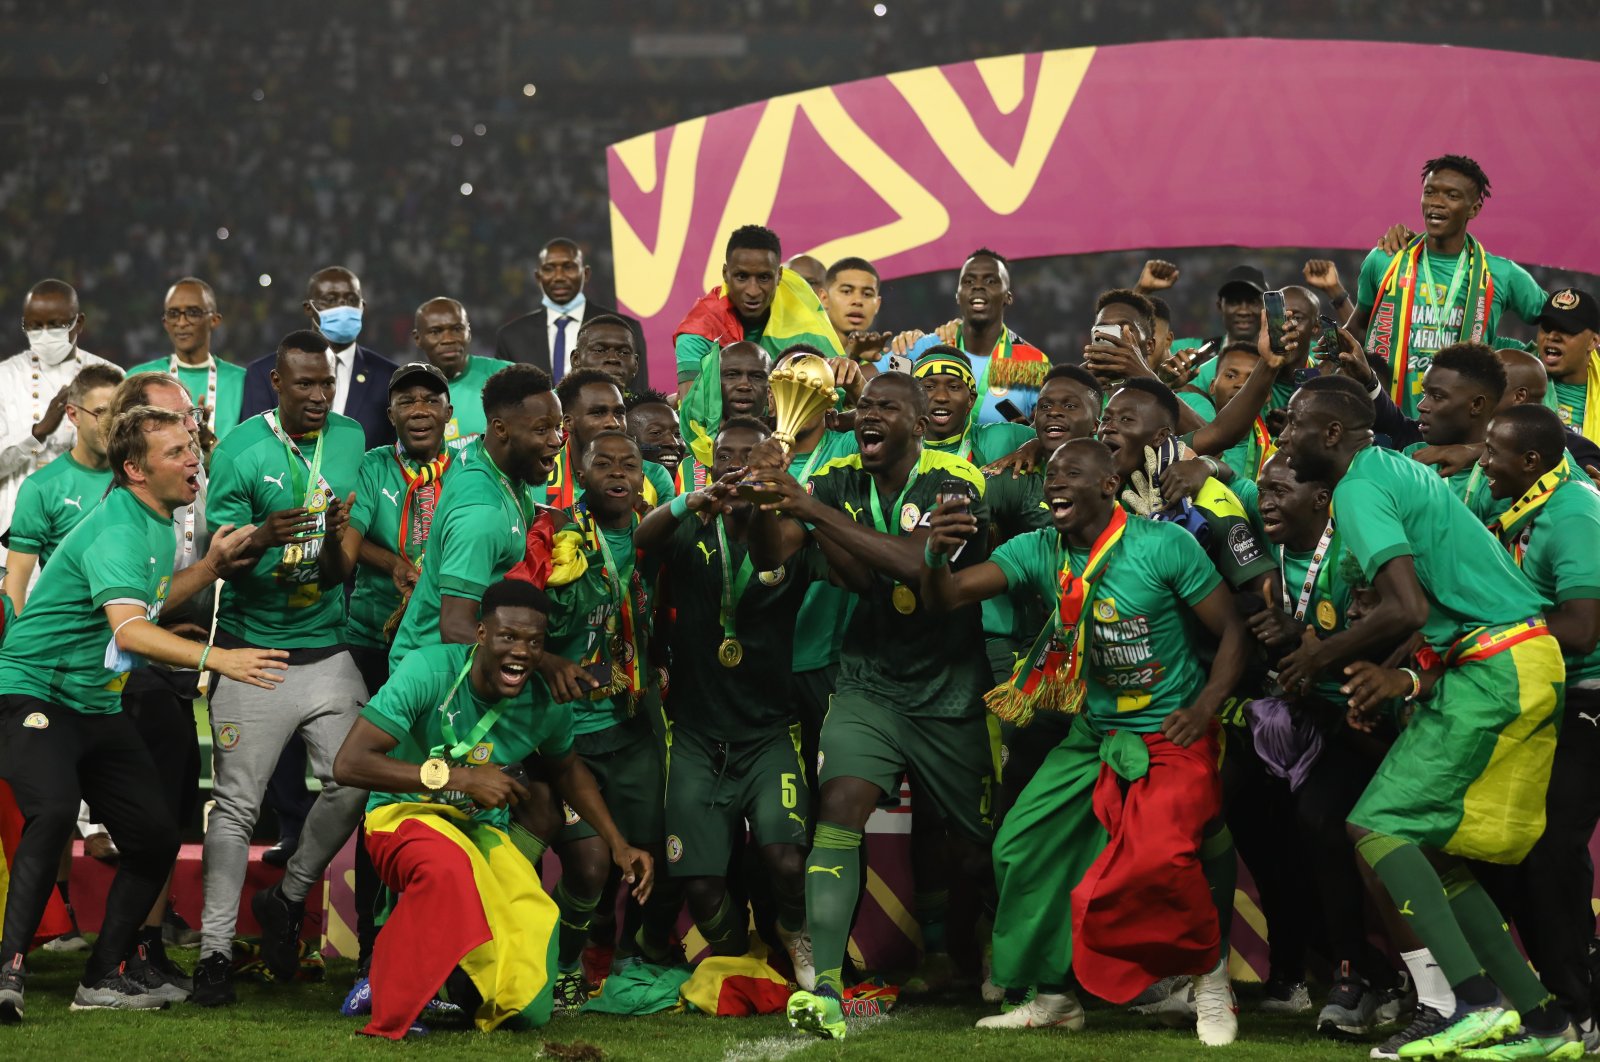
(37, 721)
(569, 816)
(480, 753)
(228, 736)
(674, 848)
(1005, 756)
(772, 578)
(1105, 610)
(909, 515)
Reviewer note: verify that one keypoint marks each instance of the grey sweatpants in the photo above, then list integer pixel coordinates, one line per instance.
(249, 727)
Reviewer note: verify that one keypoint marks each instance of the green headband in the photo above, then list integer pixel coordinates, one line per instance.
(939, 362)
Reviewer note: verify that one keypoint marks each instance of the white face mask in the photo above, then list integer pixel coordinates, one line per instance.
(51, 345)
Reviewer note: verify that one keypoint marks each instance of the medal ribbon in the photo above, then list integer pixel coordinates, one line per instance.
(1509, 525)
(173, 365)
(458, 749)
(632, 668)
(297, 459)
(877, 508)
(1314, 569)
(518, 502)
(733, 586)
(1261, 444)
(422, 487)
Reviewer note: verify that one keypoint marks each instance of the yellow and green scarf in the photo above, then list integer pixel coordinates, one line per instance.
(1512, 526)
(1591, 399)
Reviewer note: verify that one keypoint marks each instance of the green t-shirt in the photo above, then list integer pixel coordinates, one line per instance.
(749, 701)
(253, 475)
(1469, 485)
(52, 502)
(1016, 507)
(1514, 289)
(58, 650)
(825, 613)
(1570, 401)
(918, 664)
(1399, 508)
(989, 443)
(1563, 557)
(380, 491)
(466, 398)
(409, 708)
(1141, 665)
(1200, 403)
(230, 388)
(1328, 607)
(479, 533)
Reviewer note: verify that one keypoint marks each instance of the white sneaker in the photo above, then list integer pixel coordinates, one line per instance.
(1216, 1013)
(798, 946)
(1040, 1012)
(1169, 1001)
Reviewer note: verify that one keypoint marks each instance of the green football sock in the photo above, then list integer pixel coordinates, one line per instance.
(790, 896)
(726, 931)
(577, 912)
(1418, 894)
(1220, 864)
(832, 887)
(1486, 931)
(528, 843)
(931, 908)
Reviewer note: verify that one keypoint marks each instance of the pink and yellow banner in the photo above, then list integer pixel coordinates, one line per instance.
(1254, 143)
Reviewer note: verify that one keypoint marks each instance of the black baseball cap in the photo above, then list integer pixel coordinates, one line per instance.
(1244, 277)
(1570, 311)
(419, 372)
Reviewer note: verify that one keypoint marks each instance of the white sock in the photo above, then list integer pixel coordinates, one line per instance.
(1432, 988)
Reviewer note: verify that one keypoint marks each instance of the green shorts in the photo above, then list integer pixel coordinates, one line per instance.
(1469, 772)
(713, 789)
(631, 779)
(953, 763)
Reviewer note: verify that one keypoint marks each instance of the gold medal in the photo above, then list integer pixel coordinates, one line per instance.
(730, 652)
(1326, 616)
(435, 774)
(905, 602)
(293, 553)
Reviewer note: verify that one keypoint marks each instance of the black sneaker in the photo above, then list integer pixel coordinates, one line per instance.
(213, 981)
(572, 990)
(280, 932)
(1424, 1023)
(116, 991)
(11, 977)
(154, 976)
(177, 933)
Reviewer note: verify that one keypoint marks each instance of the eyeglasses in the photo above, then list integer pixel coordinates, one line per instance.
(193, 313)
(95, 413)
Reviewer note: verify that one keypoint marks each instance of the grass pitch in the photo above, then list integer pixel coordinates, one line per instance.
(277, 1024)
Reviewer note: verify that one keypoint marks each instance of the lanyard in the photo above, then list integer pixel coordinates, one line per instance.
(811, 461)
(1472, 483)
(732, 586)
(457, 748)
(1455, 281)
(1312, 571)
(505, 484)
(314, 484)
(877, 509)
(173, 365)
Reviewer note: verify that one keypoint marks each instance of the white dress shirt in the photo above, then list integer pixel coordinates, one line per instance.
(344, 365)
(576, 309)
(26, 387)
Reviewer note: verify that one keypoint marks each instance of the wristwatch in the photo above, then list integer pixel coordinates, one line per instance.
(435, 774)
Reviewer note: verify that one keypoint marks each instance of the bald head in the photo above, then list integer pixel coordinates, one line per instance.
(1090, 454)
(337, 276)
(812, 269)
(57, 291)
(1526, 378)
(439, 304)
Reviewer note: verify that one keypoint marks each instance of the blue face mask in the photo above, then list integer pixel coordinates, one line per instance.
(341, 324)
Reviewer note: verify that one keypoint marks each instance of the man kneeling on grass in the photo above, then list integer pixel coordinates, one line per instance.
(441, 746)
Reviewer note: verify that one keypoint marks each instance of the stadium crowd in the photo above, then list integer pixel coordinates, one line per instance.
(1313, 589)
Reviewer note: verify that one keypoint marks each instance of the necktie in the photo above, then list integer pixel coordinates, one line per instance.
(558, 357)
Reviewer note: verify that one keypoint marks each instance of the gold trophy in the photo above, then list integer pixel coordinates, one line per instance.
(802, 386)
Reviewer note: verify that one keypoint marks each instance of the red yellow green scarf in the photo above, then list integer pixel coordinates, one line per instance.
(1511, 527)
(1012, 363)
(422, 488)
(1389, 334)
(1051, 677)
(627, 664)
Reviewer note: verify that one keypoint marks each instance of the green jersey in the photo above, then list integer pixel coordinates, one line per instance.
(62, 649)
(52, 502)
(429, 686)
(1570, 401)
(748, 701)
(918, 663)
(986, 443)
(1016, 507)
(479, 532)
(825, 613)
(254, 473)
(1223, 528)
(1327, 606)
(1201, 404)
(382, 488)
(1561, 560)
(219, 386)
(1469, 485)
(1435, 326)
(466, 398)
(1141, 665)
(1398, 508)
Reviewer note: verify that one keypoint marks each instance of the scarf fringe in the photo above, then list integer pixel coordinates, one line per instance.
(1054, 693)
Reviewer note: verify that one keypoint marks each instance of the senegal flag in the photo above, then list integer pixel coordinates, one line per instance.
(796, 316)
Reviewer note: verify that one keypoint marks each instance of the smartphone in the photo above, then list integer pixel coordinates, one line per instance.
(516, 772)
(650, 452)
(1328, 340)
(1276, 319)
(899, 363)
(954, 490)
(1110, 333)
(600, 671)
(1008, 410)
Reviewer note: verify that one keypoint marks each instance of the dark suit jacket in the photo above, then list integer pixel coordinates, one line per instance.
(527, 339)
(367, 402)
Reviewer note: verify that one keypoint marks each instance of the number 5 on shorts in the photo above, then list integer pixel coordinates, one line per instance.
(791, 796)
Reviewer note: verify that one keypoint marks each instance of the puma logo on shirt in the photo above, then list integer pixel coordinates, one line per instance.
(276, 481)
(708, 553)
(392, 495)
(76, 503)
(1592, 720)
(854, 513)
